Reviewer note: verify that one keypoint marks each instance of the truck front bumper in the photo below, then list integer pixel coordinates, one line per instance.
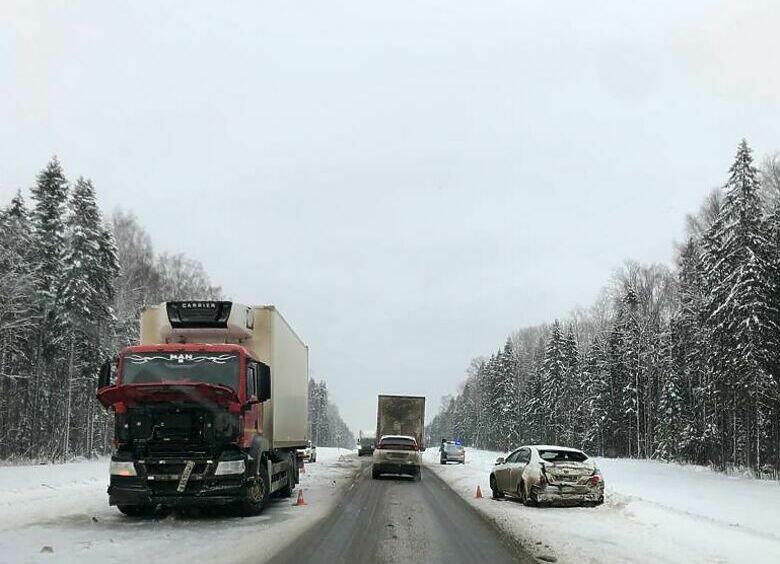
(213, 491)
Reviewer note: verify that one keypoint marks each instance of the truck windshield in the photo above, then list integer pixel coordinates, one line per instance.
(209, 368)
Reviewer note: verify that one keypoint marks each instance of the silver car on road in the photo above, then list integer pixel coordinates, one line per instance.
(396, 454)
(548, 474)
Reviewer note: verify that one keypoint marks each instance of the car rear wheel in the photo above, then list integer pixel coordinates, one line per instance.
(497, 493)
(442, 460)
(525, 497)
(374, 473)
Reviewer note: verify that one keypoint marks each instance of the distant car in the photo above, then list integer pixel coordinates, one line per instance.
(308, 454)
(538, 474)
(365, 445)
(396, 454)
(451, 451)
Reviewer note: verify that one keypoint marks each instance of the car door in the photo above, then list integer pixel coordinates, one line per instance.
(503, 471)
(517, 468)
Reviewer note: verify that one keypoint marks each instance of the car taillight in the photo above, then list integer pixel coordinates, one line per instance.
(594, 480)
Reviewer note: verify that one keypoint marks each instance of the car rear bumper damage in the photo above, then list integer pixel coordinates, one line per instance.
(565, 494)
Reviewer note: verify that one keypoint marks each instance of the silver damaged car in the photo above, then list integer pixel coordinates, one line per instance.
(548, 474)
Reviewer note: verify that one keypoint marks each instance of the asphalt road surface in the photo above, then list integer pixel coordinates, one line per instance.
(395, 520)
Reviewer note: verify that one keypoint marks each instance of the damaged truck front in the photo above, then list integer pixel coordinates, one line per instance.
(210, 408)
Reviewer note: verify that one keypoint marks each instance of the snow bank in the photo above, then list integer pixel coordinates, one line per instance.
(654, 512)
(65, 507)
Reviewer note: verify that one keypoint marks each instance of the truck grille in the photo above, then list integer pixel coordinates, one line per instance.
(168, 451)
(173, 467)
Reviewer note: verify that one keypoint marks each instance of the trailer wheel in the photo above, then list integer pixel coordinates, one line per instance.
(287, 491)
(257, 492)
(136, 510)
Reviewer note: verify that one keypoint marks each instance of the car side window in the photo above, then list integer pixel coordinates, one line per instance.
(512, 457)
(524, 455)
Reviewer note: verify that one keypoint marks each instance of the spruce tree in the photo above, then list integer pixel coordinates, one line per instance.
(553, 384)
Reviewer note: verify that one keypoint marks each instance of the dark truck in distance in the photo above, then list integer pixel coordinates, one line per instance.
(366, 442)
(210, 408)
(400, 424)
(401, 415)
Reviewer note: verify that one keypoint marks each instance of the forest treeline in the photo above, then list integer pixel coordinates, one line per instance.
(677, 363)
(71, 287)
(326, 427)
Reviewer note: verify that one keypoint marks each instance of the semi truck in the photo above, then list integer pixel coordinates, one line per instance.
(210, 408)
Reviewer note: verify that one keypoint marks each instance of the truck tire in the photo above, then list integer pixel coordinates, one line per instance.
(257, 493)
(287, 491)
(136, 510)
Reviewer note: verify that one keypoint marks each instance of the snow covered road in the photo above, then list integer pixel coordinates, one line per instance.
(654, 512)
(65, 507)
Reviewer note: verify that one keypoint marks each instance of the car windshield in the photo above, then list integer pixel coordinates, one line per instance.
(209, 368)
(562, 456)
(398, 443)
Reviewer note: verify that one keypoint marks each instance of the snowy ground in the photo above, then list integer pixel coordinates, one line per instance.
(65, 507)
(654, 512)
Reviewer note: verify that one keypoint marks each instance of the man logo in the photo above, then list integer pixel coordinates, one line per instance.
(180, 357)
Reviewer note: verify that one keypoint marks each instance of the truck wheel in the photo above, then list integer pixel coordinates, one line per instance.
(136, 510)
(287, 491)
(257, 492)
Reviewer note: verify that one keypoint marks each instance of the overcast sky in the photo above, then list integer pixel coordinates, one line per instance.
(407, 181)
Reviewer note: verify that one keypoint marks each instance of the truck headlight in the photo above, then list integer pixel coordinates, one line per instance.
(122, 468)
(226, 467)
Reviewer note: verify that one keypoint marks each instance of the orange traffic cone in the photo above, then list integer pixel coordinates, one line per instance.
(300, 498)
(478, 495)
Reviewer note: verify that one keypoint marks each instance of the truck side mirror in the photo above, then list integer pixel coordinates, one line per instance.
(263, 384)
(104, 378)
